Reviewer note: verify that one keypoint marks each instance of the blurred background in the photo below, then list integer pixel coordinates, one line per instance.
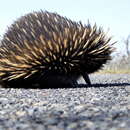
(112, 15)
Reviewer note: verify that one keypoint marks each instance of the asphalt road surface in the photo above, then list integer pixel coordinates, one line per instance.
(103, 106)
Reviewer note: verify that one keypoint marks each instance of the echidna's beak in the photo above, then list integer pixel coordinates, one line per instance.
(86, 78)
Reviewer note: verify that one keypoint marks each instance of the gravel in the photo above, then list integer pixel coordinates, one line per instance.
(103, 106)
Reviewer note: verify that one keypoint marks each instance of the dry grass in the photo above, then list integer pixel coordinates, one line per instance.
(119, 66)
(114, 71)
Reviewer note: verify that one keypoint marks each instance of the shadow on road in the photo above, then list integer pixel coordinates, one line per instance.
(105, 85)
(68, 86)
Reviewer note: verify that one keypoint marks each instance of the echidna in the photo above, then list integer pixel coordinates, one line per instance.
(41, 46)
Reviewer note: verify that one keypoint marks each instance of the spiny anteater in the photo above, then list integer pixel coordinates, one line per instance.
(41, 46)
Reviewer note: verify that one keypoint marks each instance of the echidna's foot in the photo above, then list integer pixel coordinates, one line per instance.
(86, 78)
(74, 83)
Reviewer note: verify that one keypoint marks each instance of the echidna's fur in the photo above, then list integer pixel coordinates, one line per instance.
(43, 44)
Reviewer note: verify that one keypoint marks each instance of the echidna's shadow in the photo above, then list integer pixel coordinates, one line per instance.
(104, 85)
(93, 85)
(67, 87)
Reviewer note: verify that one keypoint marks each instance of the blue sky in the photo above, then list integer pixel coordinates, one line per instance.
(111, 14)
